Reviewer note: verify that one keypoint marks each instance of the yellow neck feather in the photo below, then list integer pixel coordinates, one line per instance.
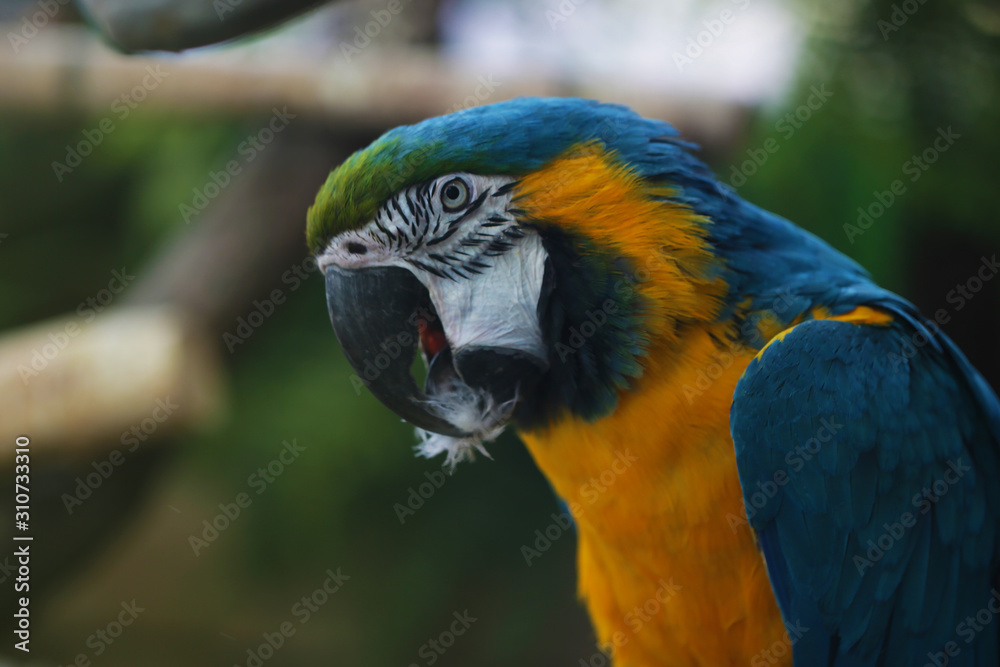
(590, 193)
(666, 578)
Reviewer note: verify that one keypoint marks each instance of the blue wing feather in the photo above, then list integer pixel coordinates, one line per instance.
(882, 536)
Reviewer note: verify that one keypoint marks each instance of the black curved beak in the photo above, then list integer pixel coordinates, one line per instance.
(376, 314)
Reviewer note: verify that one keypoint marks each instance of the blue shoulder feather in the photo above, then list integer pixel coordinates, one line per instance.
(881, 446)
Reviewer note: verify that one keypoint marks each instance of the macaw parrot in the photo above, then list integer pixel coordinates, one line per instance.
(768, 458)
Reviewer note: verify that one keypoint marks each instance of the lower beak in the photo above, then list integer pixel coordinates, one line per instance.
(376, 313)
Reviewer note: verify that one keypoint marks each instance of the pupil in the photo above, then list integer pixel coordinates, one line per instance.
(451, 192)
(356, 248)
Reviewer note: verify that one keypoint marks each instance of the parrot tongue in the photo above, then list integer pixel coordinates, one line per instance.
(432, 336)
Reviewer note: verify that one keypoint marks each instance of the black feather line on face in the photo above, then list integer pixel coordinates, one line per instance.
(420, 220)
(429, 269)
(444, 237)
(394, 202)
(390, 235)
(504, 189)
(424, 202)
(418, 214)
(422, 208)
(497, 247)
(473, 207)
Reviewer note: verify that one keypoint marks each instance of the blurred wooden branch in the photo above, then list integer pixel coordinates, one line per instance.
(66, 68)
(76, 387)
(143, 25)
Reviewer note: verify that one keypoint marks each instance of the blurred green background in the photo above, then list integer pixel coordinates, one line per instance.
(892, 81)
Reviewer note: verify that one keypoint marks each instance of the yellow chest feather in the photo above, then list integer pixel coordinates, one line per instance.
(668, 576)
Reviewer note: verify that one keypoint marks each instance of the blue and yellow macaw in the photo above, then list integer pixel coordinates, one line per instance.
(765, 453)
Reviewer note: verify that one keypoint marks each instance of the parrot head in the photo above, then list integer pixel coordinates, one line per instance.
(532, 251)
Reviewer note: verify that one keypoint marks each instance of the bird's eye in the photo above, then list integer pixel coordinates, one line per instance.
(455, 194)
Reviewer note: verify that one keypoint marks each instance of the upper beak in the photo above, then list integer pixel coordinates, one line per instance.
(376, 312)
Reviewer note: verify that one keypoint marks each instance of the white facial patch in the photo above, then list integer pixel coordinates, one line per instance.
(498, 308)
(483, 273)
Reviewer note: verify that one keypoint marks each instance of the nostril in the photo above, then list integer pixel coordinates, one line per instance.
(356, 248)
